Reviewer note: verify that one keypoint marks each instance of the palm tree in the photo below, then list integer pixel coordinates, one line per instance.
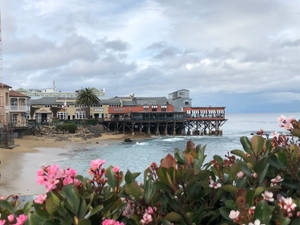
(86, 98)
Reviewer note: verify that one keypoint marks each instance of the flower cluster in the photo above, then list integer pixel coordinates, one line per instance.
(286, 123)
(147, 217)
(268, 196)
(53, 177)
(287, 205)
(20, 220)
(213, 184)
(129, 208)
(98, 171)
(275, 181)
(40, 199)
(111, 222)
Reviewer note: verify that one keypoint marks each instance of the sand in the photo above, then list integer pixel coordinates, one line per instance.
(19, 165)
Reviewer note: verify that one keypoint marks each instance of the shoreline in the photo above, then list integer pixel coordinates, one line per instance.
(19, 165)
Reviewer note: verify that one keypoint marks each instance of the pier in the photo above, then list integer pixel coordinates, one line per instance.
(192, 121)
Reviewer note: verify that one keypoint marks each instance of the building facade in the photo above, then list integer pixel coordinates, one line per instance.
(19, 109)
(4, 105)
(180, 99)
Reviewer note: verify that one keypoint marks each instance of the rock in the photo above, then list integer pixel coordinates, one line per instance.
(127, 140)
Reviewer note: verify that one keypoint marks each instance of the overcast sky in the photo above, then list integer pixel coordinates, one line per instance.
(243, 54)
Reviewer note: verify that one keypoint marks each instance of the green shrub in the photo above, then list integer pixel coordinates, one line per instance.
(67, 127)
(257, 185)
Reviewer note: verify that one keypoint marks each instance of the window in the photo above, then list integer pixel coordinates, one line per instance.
(61, 115)
(80, 115)
(186, 103)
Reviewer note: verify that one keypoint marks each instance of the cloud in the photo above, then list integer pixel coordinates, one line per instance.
(152, 47)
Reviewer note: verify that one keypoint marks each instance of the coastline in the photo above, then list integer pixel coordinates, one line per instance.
(19, 165)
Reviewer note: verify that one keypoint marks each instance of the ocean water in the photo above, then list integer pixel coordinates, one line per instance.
(137, 156)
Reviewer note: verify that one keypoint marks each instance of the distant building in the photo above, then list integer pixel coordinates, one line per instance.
(19, 109)
(180, 99)
(4, 105)
(52, 92)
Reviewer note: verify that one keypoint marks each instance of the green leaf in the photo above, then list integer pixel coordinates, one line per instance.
(250, 197)
(179, 157)
(173, 217)
(52, 203)
(95, 210)
(225, 212)
(258, 191)
(149, 191)
(246, 144)
(34, 219)
(245, 169)
(197, 166)
(135, 190)
(27, 207)
(85, 222)
(282, 156)
(263, 212)
(230, 188)
(273, 161)
(285, 221)
(296, 222)
(257, 143)
(263, 174)
(230, 204)
(240, 154)
(4, 204)
(130, 177)
(71, 196)
(110, 174)
(218, 159)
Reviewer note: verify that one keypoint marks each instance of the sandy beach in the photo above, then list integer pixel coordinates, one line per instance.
(19, 165)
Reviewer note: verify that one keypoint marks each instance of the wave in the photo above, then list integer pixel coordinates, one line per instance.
(142, 143)
(173, 139)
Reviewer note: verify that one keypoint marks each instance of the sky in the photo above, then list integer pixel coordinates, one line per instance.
(244, 55)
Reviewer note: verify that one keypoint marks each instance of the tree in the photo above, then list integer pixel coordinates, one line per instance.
(86, 98)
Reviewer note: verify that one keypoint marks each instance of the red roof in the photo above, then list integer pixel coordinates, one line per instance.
(13, 93)
(4, 85)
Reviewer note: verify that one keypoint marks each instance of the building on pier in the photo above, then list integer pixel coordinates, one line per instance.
(180, 99)
(204, 120)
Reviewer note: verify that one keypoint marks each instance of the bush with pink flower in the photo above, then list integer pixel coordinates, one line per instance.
(257, 185)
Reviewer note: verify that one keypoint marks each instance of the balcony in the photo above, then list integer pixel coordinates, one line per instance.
(15, 108)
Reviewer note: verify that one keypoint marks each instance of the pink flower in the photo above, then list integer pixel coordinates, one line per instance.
(21, 220)
(2, 222)
(213, 184)
(282, 119)
(256, 222)
(95, 164)
(40, 199)
(147, 218)
(289, 205)
(116, 169)
(111, 222)
(234, 214)
(251, 210)
(240, 174)
(254, 175)
(11, 218)
(276, 180)
(268, 196)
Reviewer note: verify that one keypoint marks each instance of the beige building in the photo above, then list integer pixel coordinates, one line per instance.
(4, 105)
(19, 109)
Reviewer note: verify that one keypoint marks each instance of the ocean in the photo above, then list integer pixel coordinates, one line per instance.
(138, 155)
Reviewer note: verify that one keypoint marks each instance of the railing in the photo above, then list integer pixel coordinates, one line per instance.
(15, 108)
